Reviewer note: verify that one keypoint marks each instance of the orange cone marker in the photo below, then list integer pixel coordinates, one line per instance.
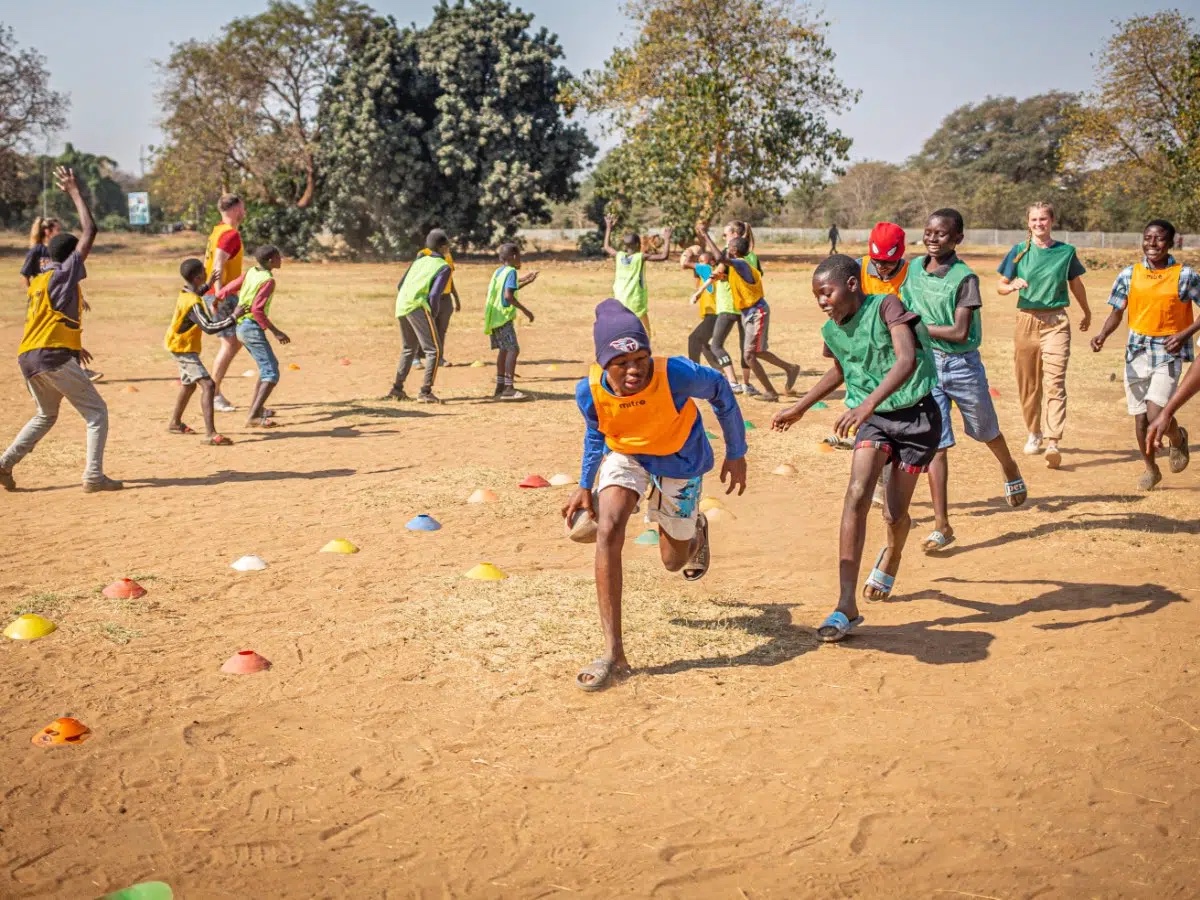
(124, 589)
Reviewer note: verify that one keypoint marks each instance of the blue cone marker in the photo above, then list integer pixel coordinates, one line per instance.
(424, 523)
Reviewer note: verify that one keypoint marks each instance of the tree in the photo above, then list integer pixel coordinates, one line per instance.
(28, 107)
(500, 141)
(858, 198)
(377, 167)
(1020, 140)
(719, 98)
(241, 110)
(1141, 123)
(97, 177)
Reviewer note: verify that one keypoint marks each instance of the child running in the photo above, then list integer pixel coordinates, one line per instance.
(1159, 293)
(944, 292)
(644, 431)
(881, 351)
(700, 263)
(253, 323)
(183, 340)
(629, 286)
(499, 315)
(745, 282)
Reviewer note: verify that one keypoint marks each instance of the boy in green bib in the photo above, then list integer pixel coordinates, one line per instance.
(882, 353)
(629, 285)
(944, 292)
(418, 299)
(499, 314)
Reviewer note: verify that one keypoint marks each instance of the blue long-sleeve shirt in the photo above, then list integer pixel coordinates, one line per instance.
(685, 379)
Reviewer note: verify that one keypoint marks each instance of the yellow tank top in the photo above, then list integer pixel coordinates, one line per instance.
(233, 266)
(646, 422)
(874, 285)
(1155, 309)
(189, 341)
(745, 293)
(45, 326)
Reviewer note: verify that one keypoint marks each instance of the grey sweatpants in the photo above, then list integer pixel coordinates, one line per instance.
(418, 330)
(48, 390)
(445, 311)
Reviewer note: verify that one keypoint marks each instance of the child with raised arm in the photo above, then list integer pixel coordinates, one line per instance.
(881, 352)
(1159, 293)
(499, 316)
(51, 355)
(644, 431)
(183, 340)
(700, 263)
(745, 283)
(944, 292)
(253, 323)
(629, 285)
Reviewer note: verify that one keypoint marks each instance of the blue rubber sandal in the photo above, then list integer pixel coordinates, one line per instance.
(879, 580)
(837, 626)
(1015, 492)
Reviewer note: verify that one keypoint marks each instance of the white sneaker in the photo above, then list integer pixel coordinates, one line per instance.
(1033, 446)
(737, 388)
(752, 391)
(220, 404)
(1053, 456)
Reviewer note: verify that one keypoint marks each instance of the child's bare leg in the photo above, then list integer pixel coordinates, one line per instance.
(181, 401)
(230, 345)
(761, 374)
(500, 356)
(865, 467)
(208, 392)
(1153, 473)
(616, 505)
(895, 514)
(999, 447)
(939, 493)
(262, 390)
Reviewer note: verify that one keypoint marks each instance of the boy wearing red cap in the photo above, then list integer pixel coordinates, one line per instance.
(644, 432)
(884, 268)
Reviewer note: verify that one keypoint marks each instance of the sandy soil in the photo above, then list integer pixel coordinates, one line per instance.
(1020, 722)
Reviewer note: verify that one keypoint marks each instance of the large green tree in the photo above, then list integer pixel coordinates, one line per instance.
(1020, 140)
(501, 141)
(377, 169)
(1138, 131)
(717, 99)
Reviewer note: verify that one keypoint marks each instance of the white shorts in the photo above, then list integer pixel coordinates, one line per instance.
(1144, 382)
(674, 502)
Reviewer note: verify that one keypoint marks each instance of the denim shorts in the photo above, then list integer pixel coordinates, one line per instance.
(250, 333)
(962, 378)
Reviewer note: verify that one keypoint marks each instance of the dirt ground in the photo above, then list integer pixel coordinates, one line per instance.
(1021, 721)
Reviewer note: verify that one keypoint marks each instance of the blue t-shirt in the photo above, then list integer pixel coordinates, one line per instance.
(685, 379)
(509, 285)
(704, 272)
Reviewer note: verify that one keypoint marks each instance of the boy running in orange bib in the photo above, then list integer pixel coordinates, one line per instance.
(1159, 294)
(644, 431)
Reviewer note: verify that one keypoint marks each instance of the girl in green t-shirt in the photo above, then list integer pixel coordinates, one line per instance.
(1041, 271)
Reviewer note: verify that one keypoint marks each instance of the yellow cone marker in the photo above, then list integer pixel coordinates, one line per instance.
(339, 545)
(709, 503)
(486, 572)
(720, 514)
(478, 364)
(29, 627)
(552, 367)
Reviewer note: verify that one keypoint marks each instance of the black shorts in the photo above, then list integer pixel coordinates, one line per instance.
(909, 436)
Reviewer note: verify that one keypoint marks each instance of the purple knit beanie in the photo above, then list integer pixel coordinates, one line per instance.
(617, 331)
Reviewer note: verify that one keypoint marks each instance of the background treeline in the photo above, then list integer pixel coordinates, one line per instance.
(349, 134)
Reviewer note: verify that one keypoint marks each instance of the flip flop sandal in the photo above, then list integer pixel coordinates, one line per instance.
(602, 673)
(879, 581)
(1181, 455)
(219, 440)
(697, 566)
(1015, 492)
(936, 541)
(765, 398)
(264, 422)
(1149, 481)
(182, 429)
(836, 626)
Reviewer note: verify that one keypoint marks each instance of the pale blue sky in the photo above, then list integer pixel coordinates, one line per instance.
(912, 66)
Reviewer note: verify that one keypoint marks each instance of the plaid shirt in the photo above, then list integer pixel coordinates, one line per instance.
(1189, 291)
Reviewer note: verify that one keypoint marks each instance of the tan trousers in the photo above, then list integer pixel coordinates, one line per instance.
(1042, 346)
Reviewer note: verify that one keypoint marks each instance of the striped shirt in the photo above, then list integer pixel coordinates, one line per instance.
(1118, 298)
